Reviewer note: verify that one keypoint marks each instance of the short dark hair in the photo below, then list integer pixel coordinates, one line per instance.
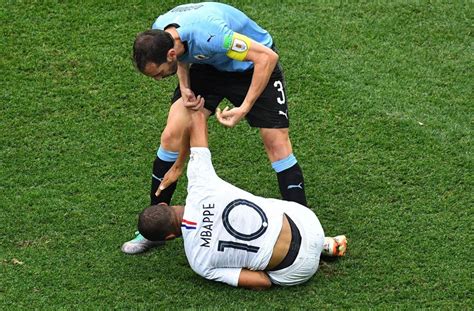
(156, 222)
(151, 46)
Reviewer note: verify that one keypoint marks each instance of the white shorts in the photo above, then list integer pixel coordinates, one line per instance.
(307, 262)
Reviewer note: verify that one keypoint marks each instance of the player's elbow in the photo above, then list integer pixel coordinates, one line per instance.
(268, 59)
(259, 286)
(263, 286)
(275, 56)
(256, 280)
(272, 58)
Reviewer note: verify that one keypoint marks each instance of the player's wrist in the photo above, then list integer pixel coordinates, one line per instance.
(178, 166)
(245, 108)
(184, 89)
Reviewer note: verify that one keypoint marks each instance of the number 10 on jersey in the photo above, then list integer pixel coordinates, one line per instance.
(222, 245)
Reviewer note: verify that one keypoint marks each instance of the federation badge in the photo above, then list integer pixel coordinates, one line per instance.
(239, 46)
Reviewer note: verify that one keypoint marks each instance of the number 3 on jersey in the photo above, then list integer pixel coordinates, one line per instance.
(279, 86)
(222, 245)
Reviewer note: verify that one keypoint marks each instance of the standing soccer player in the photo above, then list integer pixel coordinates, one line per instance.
(217, 52)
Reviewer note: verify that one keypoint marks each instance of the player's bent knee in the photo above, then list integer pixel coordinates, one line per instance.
(170, 138)
(278, 151)
(277, 143)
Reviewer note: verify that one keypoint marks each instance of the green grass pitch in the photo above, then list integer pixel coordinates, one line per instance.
(381, 106)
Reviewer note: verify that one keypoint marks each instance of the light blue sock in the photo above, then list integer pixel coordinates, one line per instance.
(284, 164)
(165, 155)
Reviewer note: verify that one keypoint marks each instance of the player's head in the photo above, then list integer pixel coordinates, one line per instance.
(154, 54)
(157, 222)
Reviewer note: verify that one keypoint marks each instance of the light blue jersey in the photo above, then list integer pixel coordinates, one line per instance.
(215, 34)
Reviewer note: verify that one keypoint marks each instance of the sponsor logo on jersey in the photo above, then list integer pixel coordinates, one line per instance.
(210, 37)
(283, 113)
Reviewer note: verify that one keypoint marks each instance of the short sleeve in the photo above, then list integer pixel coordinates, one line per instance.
(218, 38)
(158, 24)
(200, 168)
(210, 37)
(225, 275)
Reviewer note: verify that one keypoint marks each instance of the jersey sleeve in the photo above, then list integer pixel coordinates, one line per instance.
(218, 38)
(158, 24)
(200, 168)
(225, 275)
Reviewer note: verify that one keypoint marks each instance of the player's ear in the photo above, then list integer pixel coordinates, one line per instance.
(171, 55)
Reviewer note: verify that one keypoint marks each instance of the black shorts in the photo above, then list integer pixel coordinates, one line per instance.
(269, 111)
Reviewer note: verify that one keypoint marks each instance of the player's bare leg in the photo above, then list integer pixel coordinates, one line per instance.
(279, 151)
(178, 119)
(170, 142)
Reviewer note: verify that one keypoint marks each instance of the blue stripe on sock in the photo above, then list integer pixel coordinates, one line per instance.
(165, 155)
(284, 164)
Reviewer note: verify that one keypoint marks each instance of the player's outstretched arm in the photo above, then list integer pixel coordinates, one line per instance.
(176, 170)
(194, 136)
(198, 136)
(254, 279)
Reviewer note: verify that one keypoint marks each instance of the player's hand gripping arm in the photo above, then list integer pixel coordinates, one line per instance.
(189, 98)
(264, 60)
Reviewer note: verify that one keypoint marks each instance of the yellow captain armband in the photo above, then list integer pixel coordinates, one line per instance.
(237, 46)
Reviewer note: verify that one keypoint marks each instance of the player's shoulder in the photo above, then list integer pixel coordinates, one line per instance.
(198, 260)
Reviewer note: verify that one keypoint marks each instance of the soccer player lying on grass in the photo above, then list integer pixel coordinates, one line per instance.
(233, 236)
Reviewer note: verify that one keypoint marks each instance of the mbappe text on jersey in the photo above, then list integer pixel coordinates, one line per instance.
(207, 221)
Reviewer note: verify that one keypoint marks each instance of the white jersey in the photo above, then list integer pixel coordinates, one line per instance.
(226, 228)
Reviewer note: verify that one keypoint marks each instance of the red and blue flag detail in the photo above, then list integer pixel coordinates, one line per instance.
(191, 225)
